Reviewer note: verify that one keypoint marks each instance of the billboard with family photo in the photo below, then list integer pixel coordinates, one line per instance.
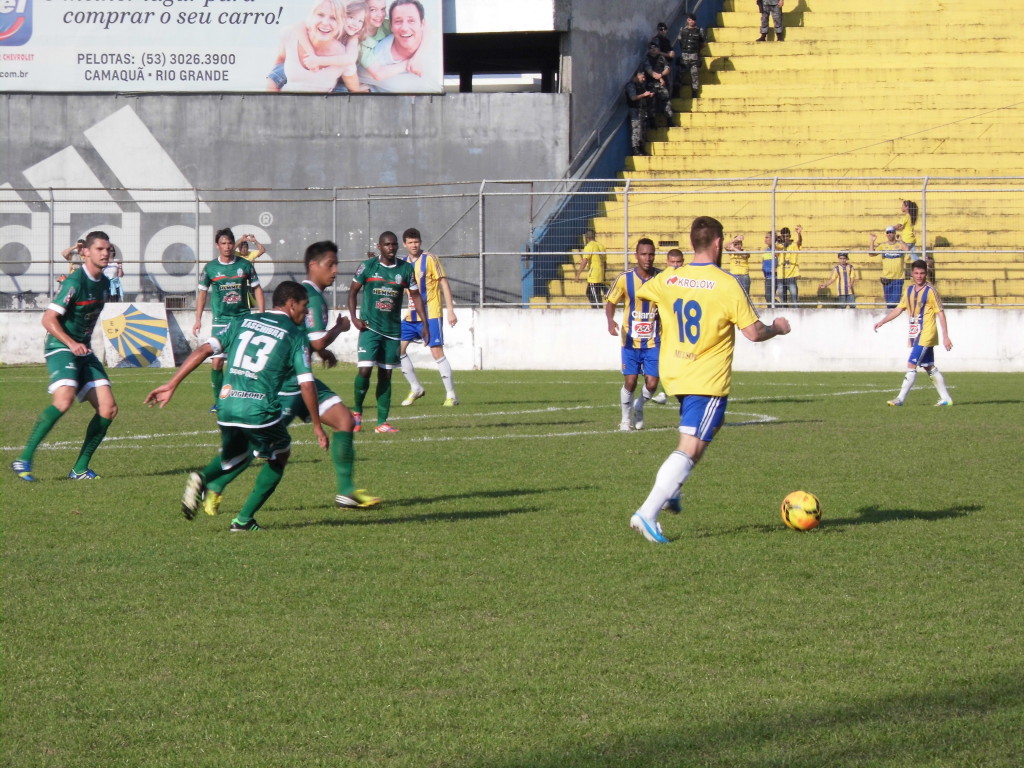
(213, 46)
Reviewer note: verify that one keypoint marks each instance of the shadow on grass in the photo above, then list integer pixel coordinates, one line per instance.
(959, 722)
(380, 518)
(964, 404)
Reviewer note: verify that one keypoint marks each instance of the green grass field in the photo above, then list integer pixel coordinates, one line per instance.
(496, 611)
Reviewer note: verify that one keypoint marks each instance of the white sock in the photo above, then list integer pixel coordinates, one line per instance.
(908, 382)
(446, 375)
(410, 373)
(626, 401)
(670, 478)
(940, 383)
(638, 404)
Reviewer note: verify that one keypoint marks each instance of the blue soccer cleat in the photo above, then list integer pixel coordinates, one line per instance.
(650, 532)
(87, 475)
(23, 469)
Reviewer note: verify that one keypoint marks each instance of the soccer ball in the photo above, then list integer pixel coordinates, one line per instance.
(801, 511)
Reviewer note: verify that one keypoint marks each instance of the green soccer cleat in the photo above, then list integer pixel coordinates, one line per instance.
(360, 499)
(211, 503)
(23, 469)
(252, 525)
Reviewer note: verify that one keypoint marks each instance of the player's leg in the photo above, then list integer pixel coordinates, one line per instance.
(98, 393)
(928, 363)
(63, 367)
(366, 359)
(216, 369)
(700, 417)
(274, 444)
(410, 333)
(232, 459)
(916, 353)
(650, 369)
(436, 345)
(387, 362)
(336, 415)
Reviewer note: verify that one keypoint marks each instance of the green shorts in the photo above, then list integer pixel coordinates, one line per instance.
(378, 350)
(293, 407)
(264, 443)
(69, 370)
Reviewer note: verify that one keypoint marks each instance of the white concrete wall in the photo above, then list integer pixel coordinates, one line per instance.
(515, 339)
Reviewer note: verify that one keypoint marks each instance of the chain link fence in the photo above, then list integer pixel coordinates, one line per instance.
(514, 243)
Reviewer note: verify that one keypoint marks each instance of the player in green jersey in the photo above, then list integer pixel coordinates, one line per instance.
(263, 350)
(385, 280)
(228, 279)
(74, 369)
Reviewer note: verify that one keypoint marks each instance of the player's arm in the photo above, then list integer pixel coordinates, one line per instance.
(799, 227)
(163, 394)
(609, 316)
(51, 322)
(200, 304)
(835, 276)
(758, 331)
(896, 312)
(941, 317)
(449, 302)
(417, 301)
(258, 293)
(260, 250)
(353, 296)
(871, 244)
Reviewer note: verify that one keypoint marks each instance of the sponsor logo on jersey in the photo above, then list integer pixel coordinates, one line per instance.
(689, 282)
(225, 391)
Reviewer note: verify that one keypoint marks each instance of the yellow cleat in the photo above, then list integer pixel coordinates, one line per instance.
(451, 402)
(211, 503)
(415, 395)
(359, 499)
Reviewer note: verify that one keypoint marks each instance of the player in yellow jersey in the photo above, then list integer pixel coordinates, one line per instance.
(924, 307)
(433, 286)
(700, 306)
(594, 262)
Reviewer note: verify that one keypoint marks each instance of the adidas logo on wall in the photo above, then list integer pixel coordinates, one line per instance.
(157, 222)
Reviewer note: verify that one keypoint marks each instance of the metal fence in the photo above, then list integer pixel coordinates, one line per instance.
(509, 243)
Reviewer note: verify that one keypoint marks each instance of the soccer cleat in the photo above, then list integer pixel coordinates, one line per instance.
(895, 402)
(943, 403)
(673, 506)
(625, 425)
(193, 495)
(451, 402)
(661, 398)
(213, 408)
(650, 532)
(358, 418)
(23, 469)
(638, 414)
(211, 503)
(360, 499)
(385, 427)
(252, 525)
(414, 395)
(87, 475)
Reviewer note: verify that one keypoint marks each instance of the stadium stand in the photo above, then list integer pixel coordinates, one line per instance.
(868, 99)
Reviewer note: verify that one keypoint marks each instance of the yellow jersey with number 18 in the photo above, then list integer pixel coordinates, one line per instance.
(700, 306)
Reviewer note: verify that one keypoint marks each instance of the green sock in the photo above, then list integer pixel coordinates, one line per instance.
(383, 399)
(44, 424)
(343, 454)
(94, 435)
(216, 381)
(266, 482)
(217, 479)
(362, 387)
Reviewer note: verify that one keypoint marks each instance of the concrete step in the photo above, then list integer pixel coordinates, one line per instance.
(932, 7)
(924, 64)
(785, 145)
(858, 163)
(799, 21)
(897, 34)
(897, 120)
(867, 76)
(722, 99)
(794, 48)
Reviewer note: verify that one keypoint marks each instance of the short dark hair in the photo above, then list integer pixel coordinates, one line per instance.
(785, 231)
(411, 233)
(843, 255)
(289, 290)
(691, 16)
(317, 251)
(644, 241)
(417, 3)
(920, 264)
(95, 235)
(703, 231)
(662, 25)
(224, 233)
(384, 234)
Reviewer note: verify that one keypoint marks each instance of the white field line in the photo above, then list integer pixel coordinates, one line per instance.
(755, 418)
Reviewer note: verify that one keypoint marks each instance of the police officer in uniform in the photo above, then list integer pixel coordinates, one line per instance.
(638, 99)
(692, 40)
(657, 72)
(774, 9)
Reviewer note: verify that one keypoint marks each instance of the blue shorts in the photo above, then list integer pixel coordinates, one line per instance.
(701, 415)
(639, 361)
(412, 330)
(922, 356)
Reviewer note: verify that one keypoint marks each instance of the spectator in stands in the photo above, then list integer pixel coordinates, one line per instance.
(401, 62)
(674, 259)
(843, 273)
(771, 8)
(73, 255)
(692, 40)
(769, 264)
(244, 248)
(657, 72)
(667, 49)
(789, 264)
(377, 28)
(907, 226)
(114, 273)
(639, 100)
(593, 262)
(894, 259)
(739, 265)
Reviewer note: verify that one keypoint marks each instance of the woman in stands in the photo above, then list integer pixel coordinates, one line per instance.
(907, 226)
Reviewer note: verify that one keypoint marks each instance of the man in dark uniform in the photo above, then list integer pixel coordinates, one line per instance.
(667, 48)
(692, 40)
(638, 99)
(657, 71)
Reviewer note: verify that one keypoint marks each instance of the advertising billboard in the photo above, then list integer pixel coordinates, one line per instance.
(221, 46)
